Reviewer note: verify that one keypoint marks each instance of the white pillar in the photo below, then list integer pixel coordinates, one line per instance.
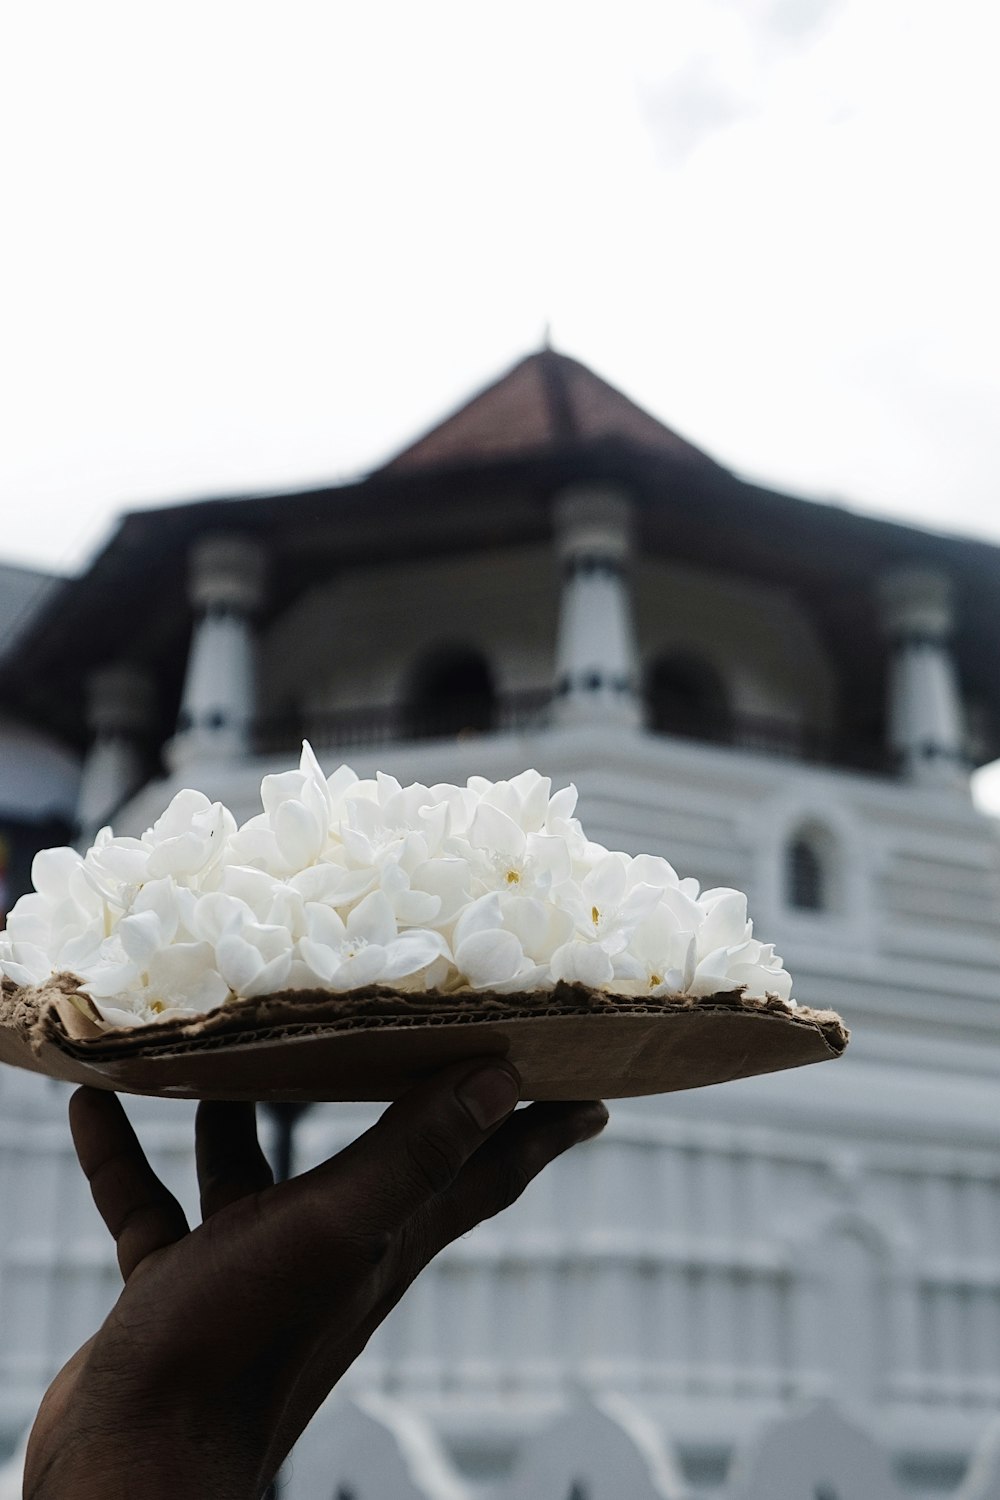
(596, 654)
(219, 699)
(925, 718)
(120, 705)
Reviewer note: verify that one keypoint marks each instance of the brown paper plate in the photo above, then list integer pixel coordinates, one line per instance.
(569, 1043)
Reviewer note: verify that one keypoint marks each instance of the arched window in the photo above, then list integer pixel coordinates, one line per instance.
(809, 869)
(685, 695)
(805, 877)
(451, 693)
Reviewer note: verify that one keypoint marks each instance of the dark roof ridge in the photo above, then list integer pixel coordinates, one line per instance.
(544, 400)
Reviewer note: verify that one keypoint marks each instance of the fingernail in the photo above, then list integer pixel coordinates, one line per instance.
(488, 1095)
(590, 1121)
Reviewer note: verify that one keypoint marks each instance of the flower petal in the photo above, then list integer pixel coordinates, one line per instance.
(332, 884)
(271, 977)
(416, 908)
(363, 967)
(299, 834)
(323, 961)
(51, 870)
(487, 958)
(141, 934)
(582, 963)
(175, 971)
(494, 831)
(373, 920)
(482, 915)
(411, 951)
(324, 925)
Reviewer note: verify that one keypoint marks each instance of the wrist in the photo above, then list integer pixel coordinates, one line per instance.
(157, 1467)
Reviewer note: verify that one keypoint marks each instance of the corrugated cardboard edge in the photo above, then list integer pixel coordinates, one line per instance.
(48, 1030)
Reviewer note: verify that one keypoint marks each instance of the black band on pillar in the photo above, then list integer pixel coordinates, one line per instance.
(588, 565)
(592, 681)
(917, 640)
(931, 750)
(222, 609)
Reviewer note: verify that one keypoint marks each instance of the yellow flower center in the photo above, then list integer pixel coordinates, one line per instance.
(595, 915)
(513, 877)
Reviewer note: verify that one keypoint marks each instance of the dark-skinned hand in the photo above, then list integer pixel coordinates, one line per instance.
(227, 1338)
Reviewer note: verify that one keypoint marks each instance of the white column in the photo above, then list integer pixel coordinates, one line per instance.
(119, 712)
(596, 654)
(925, 716)
(219, 699)
(904, 1321)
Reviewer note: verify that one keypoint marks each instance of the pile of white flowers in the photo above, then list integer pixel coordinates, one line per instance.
(341, 883)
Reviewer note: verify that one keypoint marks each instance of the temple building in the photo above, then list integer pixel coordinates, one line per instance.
(39, 775)
(776, 694)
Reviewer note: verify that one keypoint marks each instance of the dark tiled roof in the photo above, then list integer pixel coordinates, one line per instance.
(23, 592)
(546, 401)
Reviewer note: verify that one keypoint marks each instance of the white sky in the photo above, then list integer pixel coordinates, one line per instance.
(257, 245)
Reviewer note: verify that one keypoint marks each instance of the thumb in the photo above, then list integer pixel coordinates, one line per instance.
(419, 1146)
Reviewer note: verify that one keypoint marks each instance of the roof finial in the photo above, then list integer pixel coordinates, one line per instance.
(547, 335)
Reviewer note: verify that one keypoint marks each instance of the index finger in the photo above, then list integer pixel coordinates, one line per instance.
(412, 1154)
(141, 1214)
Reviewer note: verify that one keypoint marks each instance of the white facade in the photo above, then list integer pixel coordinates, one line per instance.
(717, 1260)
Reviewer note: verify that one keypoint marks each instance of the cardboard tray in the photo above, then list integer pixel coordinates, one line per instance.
(372, 1044)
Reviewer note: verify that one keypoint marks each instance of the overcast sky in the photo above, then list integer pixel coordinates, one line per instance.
(256, 245)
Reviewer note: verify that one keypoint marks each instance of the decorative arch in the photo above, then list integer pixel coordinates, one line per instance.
(686, 695)
(818, 1454)
(810, 868)
(844, 845)
(451, 691)
(601, 1448)
(848, 1260)
(370, 1448)
(806, 881)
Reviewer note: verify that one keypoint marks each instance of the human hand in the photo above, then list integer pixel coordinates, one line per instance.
(227, 1338)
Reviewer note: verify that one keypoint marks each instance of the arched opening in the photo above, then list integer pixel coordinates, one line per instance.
(451, 693)
(805, 877)
(809, 869)
(685, 695)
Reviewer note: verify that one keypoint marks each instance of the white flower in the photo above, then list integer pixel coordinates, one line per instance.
(60, 923)
(488, 954)
(662, 953)
(301, 809)
(189, 838)
(580, 962)
(381, 815)
(749, 965)
(450, 880)
(339, 883)
(24, 963)
(367, 948)
(502, 856)
(603, 906)
(725, 921)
